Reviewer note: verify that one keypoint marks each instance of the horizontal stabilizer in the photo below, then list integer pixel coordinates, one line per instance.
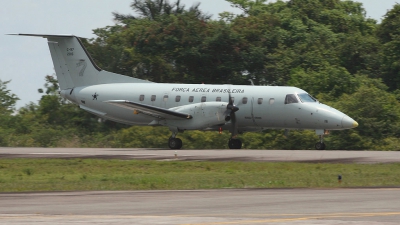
(45, 35)
(150, 110)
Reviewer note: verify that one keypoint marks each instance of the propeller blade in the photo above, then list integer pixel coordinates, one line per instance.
(230, 98)
(234, 127)
(231, 116)
(230, 108)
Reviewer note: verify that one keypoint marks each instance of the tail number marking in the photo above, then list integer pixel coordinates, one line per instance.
(70, 51)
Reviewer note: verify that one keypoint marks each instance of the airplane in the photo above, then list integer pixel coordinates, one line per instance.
(181, 107)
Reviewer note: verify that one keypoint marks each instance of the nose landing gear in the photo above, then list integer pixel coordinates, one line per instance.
(320, 145)
(234, 143)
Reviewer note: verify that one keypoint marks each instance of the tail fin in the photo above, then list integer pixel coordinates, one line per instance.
(73, 65)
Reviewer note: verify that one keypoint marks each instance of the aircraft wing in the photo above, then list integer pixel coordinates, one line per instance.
(150, 110)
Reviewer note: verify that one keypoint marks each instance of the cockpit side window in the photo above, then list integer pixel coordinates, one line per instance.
(291, 98)
(306, 98)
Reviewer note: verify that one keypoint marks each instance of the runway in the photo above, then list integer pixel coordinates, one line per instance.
(207, 207)
(207, 155)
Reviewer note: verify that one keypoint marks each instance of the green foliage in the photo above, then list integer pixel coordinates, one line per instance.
(389, 35)
(157, 10)
(378, 115)
(7, 107)
(391, 63)
(7, 99)
(390, 24)
(330, 82)
(249, 6)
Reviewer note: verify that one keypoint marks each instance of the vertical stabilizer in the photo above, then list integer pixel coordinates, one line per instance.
(73, 65)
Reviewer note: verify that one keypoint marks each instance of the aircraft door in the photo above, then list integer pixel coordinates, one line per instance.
(256, 111)
(165, 100)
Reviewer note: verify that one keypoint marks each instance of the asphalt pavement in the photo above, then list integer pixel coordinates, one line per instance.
(369, 206)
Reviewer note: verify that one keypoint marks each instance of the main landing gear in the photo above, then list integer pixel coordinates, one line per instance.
(320, 145)
(173, 142)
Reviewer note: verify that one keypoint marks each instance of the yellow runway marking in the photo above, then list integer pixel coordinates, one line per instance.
(306, 217)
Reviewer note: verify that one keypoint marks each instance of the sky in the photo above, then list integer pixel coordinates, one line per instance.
(26, 60)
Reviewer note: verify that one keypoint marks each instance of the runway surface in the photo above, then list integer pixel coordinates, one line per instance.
(207, 155)
(207, 207)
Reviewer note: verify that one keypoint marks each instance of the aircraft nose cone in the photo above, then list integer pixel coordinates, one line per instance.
(348, 122)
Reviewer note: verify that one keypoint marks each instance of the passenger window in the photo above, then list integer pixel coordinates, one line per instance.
(271, 101)
(244, 100)
(141, 98)
(178, 98)
(203, 98)
(290, 98)
(260, 100)
(153, 98)
(165, 98)
(191, 98)
(218, 99)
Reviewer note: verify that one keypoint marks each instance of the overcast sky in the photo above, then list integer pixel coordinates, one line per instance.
(26, 60)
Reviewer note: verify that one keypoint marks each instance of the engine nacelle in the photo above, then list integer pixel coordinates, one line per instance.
(205, 114)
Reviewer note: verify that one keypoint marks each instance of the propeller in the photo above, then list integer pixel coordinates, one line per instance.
(230, 109)
(230, 115)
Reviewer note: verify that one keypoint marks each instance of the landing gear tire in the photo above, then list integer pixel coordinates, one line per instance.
(320, 146)
(175, 143)
(235, 144)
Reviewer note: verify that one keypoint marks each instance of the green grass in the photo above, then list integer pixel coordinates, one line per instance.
(97, 174)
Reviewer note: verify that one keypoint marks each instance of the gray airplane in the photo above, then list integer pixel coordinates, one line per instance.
(180, 107)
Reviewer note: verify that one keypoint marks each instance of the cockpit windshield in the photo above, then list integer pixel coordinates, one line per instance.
(306, 98)
(291, 98)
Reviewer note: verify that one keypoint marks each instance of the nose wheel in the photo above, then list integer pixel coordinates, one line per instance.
(320, 145)
(234, 144)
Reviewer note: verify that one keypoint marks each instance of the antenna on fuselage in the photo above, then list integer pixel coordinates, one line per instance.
(251, 81)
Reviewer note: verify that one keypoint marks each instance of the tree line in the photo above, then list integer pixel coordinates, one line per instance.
(327, 47)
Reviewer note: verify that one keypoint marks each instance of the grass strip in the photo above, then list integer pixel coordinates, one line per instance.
(17, 175)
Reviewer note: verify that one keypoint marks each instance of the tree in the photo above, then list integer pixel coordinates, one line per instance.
(249, 7)
(388, 29)
(7, 99)
(156, 9)
(183, 45)
(7, 107)
(376, 111)
(329, 82)
(389, 35)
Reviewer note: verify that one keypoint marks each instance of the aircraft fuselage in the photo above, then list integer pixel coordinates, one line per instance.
(261, 107)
